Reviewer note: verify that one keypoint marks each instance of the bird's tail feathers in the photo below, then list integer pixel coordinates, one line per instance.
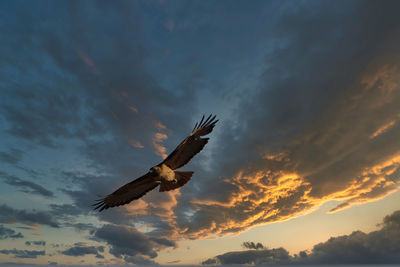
(181, 179)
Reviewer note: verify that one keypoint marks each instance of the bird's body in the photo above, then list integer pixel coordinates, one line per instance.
(163, 174)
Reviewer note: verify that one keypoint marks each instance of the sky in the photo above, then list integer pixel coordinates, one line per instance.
(302, 167)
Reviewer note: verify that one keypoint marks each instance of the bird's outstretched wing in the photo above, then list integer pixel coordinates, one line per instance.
(192, 144)
(131, 191)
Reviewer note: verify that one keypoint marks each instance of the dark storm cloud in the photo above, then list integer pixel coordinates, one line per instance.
(120, 239)
(11, 215)
(25, 186)
(23, 254)
(324, 123)
(9, 233)
(12, 156)
(377, 247)
(81, 250)
(35, 243)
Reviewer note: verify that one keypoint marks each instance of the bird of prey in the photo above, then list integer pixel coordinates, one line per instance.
(163, 174)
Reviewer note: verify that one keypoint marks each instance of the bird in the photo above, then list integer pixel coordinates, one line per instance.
(164, 174)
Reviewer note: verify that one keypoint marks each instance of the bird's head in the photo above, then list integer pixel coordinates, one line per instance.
(154, 170)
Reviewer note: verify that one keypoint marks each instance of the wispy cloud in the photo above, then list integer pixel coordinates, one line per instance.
(161, 150)
(12, 156)
(383, 128)
(135, 143)
(34, 218)
(88, 61)
(160, 126)
(26, 186)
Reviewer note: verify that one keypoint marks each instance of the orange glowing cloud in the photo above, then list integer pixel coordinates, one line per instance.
(270, 196)
(372, 184)
(160, 126)
(135, 143)
(259, 198)
(383, 129)
(160, 205)
(157, 140)
(138, 207)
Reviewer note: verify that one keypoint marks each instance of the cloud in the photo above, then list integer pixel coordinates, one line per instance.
(59, 215)
(308, 137)
(210, 262)
(9, 233)
(160, 126)
(41, 120)
(139, 260)
(10, 215)
(50, 116)
(35, 243)
(120, 238)
(377, 247)
(26, 186)
(135, 143)
(157, 140)
(88, 61)
(64, 210)
(81, 226)
(265, 256)
(133, 109)
(23, 254)
(13, 156)
(80, 249)
(252, 245)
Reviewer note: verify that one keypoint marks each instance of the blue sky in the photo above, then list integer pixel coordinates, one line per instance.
(94, 93)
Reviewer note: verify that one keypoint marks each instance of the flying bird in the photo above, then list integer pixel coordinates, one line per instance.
(163, 174)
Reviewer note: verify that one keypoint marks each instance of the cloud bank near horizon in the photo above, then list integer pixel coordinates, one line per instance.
(377, 247)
